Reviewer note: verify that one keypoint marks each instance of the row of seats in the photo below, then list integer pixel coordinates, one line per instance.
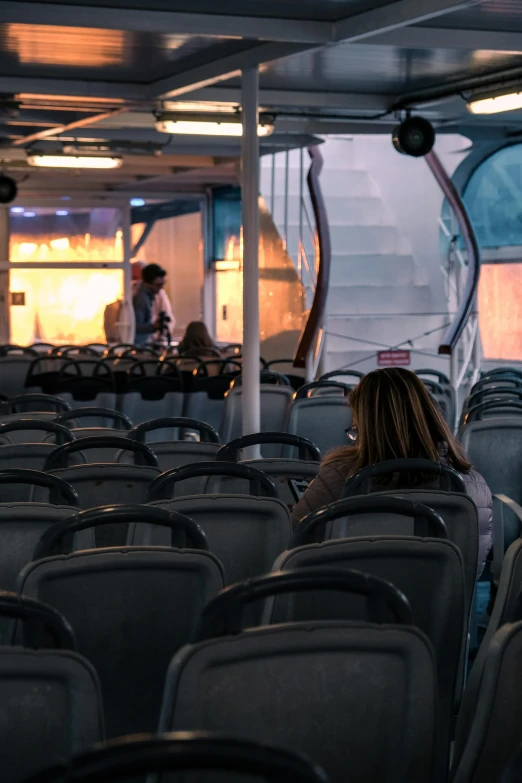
(360, 626)
(361, 622)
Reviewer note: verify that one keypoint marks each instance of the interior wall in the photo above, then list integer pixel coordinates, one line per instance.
(176, 244)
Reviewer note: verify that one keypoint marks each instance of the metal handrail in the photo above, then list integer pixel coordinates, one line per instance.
(308, 342)
(465, 308)
(304, 257)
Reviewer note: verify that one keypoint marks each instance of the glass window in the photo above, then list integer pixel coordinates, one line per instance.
(56, 234)
(226, 221)
(493, 197)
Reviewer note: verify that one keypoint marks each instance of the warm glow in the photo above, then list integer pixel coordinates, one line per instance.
(60, 244)
(86, 47)
(63, 306)
(227, 266)
(63, 249)
(195, 128)
(509, 102)
(74, 161)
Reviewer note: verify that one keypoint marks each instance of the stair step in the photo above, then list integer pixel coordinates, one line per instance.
(372, 270)
(368, 300)
(364, 240)
(366, 360)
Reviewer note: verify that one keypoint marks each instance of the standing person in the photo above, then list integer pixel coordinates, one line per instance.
(394, 417)
(153, 280)
(161, 302)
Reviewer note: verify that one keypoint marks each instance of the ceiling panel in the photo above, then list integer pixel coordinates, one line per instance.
(76, 52)
(494, 15)
(320, 10)
(380, 69)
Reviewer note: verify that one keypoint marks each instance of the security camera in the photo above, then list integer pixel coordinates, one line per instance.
(415, 136)
(8, 189)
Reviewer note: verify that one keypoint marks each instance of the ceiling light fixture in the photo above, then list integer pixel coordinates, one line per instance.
(210, 125)
(74, 161)
(496, 102)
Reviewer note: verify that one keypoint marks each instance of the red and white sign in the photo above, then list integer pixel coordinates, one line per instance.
(394, 358)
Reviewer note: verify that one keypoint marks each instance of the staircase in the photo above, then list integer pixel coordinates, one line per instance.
(380, 296)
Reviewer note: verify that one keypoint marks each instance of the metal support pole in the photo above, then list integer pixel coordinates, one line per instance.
(287, 168)
(5, 304)
(300, 241)
(272, 185)
(251, 406)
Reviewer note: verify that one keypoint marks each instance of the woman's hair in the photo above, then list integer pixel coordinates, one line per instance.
(396, 418)
(196, 338)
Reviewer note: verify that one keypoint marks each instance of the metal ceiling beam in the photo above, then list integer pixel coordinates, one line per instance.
(147, 20)
(394, 15)
(295, 98)
(417, 37)
(221, 62)
(48, 133)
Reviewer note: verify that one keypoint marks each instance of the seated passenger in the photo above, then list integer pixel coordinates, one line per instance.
(198, 342)
(394, 417)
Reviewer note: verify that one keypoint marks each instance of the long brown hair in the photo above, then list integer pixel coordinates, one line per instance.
(196, 338)
(396, 418)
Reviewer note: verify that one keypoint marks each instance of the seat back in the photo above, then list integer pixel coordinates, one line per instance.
(428, 571)
(154, 390)
(291, 476)
(321, 419)
(20, 432)
(274, 408)
(13, 372)
(507, 609)
(245, 533)
(166, 438)
(188, 752)
(494, 447)
(21, 526)
(327, 689)
(142, 606)
(494, 733)
(51, 695)
(205, 398)
(87, 382)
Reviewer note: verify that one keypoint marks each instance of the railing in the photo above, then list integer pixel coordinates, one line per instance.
(309, 248)
(462, 340)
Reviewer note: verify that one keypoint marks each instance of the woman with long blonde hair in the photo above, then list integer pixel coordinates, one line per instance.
(394, 417)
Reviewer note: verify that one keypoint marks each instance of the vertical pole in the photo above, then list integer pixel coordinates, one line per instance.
(251, 407)
(5, 304)
(300, 240)
(209, 275)
(127, 325)
(272, 185)
(287, 167)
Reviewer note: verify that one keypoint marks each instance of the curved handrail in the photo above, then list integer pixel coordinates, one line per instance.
(465, 308)
(312, 327)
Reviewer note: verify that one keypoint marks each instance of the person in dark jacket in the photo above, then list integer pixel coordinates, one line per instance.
(394, 417)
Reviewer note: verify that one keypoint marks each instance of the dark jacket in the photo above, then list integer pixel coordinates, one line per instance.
(142, 302)
(328, 485)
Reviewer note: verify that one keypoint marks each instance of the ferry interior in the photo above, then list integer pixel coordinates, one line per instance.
(217, 222)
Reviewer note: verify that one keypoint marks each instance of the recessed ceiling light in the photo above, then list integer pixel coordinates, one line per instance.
(137, 202)
(29, 214)
(74, 161)
(17, 210)
(61, 212)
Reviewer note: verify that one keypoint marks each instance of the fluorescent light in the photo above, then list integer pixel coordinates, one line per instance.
(137, 202)
(17, 210)
(74, 161)
(61, 212)
(227, 266)
(29, 214)
(190, 125)
(495, 104)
